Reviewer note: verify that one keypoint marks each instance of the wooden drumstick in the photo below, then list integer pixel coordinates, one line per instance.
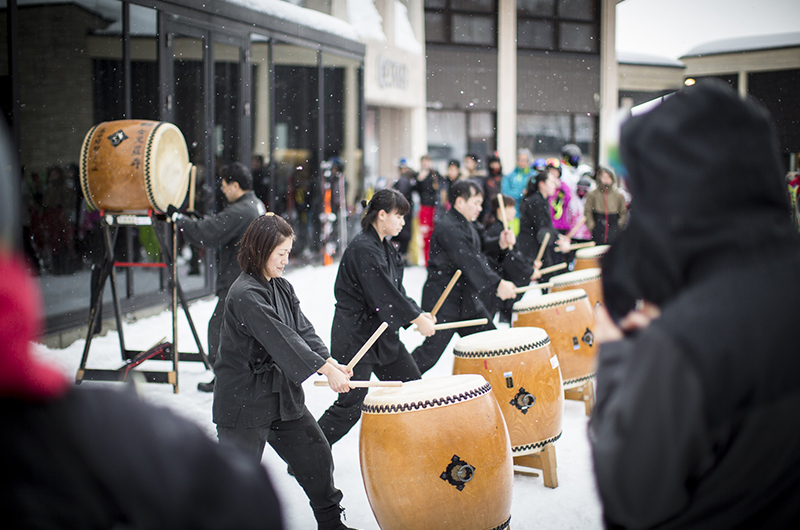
(367, 345)
(501, 205)
(192, 179)
(577, 227)
(533, 286)
(363, 384)
(577, 246)
(447, 290)
(459, 324)
(553, 268)
(543, 246)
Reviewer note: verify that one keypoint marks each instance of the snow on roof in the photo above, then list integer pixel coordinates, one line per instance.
(299, 15)
(645, 59)
(746, 44)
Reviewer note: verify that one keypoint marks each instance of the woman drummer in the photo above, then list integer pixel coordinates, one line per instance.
(369, 290)
(267, 349)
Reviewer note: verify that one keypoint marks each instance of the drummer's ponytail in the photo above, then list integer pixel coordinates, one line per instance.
(388, 200)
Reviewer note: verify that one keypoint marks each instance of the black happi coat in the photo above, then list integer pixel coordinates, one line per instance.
(267, 349)
(457, 243)
(98, 458)
(369, 290)
(695, 424)
(224, 230)
(534, 222)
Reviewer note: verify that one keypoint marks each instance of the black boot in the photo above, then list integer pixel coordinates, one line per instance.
(206, 387)
(330, 519)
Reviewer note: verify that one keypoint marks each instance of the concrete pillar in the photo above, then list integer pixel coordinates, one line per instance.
(743, 88)
(351, 125)
(609, 126)
(260, 57)
(419, 114)
(507, 82)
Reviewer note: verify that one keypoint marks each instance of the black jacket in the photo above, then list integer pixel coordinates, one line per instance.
(456, 244)
(534, 222)
(369, 290)
(98, 458)
(224, 230)
(267, 349)
(695, 422)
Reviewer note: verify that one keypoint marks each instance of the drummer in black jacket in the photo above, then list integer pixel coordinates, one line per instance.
(535, 221)
(267, 349)
(224, 230)
(369, 290)
(456, 244)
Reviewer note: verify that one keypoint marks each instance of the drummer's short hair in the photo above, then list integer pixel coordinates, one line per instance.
(260, 239)
(238, 173)
(464, 188)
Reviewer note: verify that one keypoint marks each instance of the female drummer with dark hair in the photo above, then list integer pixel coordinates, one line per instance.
(369, 290)
(267, 349)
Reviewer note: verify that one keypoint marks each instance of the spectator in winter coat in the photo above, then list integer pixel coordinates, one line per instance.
(699, 362)
(515, 182)
(605, 208)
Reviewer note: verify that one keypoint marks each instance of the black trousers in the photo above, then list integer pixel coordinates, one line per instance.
(427, 354)
(301, 444)
(346, 410)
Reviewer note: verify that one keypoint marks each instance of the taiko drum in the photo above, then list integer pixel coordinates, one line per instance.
(590, 280)
(568, 319)
(134, 165)
(435, 454)
(526, 380)
(590, 258)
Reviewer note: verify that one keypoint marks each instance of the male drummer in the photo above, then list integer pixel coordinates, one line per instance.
(223, 230)
(456, 244)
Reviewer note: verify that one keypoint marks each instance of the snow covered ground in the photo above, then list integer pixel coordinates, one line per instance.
(574, 504)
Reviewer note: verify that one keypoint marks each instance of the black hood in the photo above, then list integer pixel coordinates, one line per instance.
(707, 186)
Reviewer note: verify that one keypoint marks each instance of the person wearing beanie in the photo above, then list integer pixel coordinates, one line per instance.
(605, 209)
(695, 420)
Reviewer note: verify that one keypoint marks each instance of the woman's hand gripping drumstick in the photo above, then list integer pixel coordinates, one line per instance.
(576, 246)
(338, 375)
(460, 324)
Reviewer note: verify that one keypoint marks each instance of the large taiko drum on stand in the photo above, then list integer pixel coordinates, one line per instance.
(590, 258)
(134, 165)
(435, 454)
(568, 319)
(524, 373)
(590, 280)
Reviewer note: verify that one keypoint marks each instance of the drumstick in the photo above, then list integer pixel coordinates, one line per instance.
(542, 247)
(363, 384)
(533, 286)
(577, 246)
(447, 290)
(553, 268)
(576, 227)
(459, 324)
(192, 177)
(502, 206)
(367, 345)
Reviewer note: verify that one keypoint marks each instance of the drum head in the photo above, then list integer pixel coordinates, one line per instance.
(166, 178)
(546, 301)
(576, 277)
(425, 393)
(501, 342)
(591, 252)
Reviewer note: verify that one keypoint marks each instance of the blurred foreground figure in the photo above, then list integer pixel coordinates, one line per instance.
(697, 394)
(82, 457)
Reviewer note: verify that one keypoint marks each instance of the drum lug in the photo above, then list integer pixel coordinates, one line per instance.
(523, 400)
(588, 337)
(458, 473)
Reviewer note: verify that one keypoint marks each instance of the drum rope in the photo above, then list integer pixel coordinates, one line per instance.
(148, 180)
(575, 282)
(428, 403)
(537, 445)
(538, 307)
(579, 379)
(505, 351)
(84, 170)
(502, 526)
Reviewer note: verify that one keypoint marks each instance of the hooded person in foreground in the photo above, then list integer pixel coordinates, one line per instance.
(697, 394)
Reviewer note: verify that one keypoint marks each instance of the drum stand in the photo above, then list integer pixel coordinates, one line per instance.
(544, 460)
(111, 224)
(583, 393)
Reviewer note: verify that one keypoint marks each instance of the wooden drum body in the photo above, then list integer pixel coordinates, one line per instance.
(526, 381)
(590, 258)
(435, 454)
(590, 280)
(568, 319)
(134, 165)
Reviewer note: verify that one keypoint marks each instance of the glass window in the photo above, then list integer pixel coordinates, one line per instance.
(543, 134)
(447, 138)
(435, 27)
(472, 29)
(537, 34)
(577, 9)
(584, 135)
(144, 63)
(435, 4)
(540, 8)
(574, 37)
(482, 135)
(486, 6)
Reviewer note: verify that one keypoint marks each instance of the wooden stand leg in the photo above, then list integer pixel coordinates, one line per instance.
(584, 393)
(544, 460)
